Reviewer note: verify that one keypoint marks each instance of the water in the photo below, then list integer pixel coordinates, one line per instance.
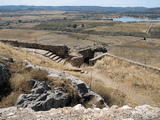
(130, 19)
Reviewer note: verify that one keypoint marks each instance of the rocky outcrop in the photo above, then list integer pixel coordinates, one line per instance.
(41, 98)
(7, 59)
(4, 77)
(60, 50)
(4, 74)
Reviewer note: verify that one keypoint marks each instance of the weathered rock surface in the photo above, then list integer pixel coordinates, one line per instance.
(7, 59)
(4, 74)
(41, 95)
(144, 112)
(4, 77)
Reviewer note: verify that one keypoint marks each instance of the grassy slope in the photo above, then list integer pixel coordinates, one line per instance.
(20, 76)
(141, 80)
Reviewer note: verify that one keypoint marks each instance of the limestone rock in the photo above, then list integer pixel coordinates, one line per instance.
(41, 98)
(144, 112)
(86, 96)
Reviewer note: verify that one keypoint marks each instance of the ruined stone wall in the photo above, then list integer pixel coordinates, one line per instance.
(94, 60)
(60, 50)
(86, 55)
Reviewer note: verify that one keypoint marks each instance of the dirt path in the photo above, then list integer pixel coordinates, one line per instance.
(136, 96)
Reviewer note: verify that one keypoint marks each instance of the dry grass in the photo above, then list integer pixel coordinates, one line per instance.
(124, 46)
(9, 100)
(45, 37)
(20, 34)
(18, 81)
(126, 27)
(111, 95)
(149, 56)
(25, 25)
(79, 36)
(20, 77)
(115, 69)
(136, 77)
(9, 51)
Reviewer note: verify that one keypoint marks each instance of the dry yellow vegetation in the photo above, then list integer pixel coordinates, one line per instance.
(150, 56)
(9, 51)
(126, 27)
(129, 47)
(141, 80)
(20, 76)
(45, 37)
(19, 34)
(25, 25)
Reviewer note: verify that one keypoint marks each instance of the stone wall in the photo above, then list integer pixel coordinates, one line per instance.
(84, 55)
(93, 61)
(60, 50)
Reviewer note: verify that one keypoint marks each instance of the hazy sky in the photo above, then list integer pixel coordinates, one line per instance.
(113, 3)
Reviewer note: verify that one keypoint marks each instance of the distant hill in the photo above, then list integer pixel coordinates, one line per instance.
(71, 8)
(154, 10)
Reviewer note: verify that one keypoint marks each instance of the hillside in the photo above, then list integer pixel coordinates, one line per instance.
(19, 85)
(72, 8)
(113, 95)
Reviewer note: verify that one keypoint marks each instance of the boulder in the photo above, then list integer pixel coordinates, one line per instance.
(41, 98)
(7, 59)
(4, 74)
(88, 98)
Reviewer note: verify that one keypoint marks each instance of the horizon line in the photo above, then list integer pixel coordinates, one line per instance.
(82, 6)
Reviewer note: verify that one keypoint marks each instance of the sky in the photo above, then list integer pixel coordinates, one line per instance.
(105, 3)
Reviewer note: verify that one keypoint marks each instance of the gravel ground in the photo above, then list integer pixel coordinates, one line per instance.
(78, 112)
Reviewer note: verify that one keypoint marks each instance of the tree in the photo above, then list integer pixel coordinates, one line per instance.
(75, 26)
(19, 21)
